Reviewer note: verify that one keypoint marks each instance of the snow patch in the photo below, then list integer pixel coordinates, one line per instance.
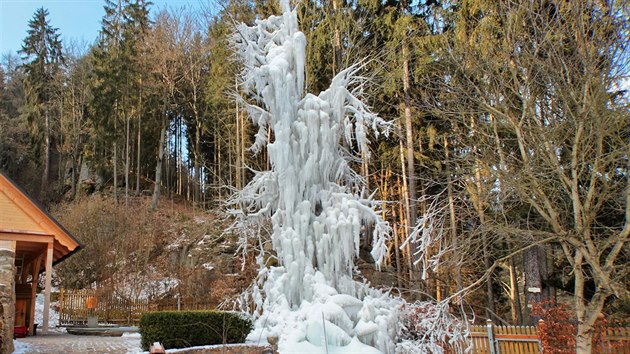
(20, 347)
(208, 266)
(53, 315)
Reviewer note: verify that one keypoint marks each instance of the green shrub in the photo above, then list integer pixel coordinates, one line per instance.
(181, 329)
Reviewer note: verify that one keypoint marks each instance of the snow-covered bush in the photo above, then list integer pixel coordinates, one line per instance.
(428, 327)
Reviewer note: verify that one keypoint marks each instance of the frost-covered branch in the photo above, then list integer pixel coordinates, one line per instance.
(428, 235)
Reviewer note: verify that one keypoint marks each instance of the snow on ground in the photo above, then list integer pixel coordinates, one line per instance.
(53, 316)
(132, 335)
(20, 347)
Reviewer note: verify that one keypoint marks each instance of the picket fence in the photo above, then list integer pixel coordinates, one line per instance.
(493, 339)
(76, 305)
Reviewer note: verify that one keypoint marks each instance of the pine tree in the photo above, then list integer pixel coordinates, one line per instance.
(42, 52)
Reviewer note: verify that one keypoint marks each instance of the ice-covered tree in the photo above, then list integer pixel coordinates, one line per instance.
(309, 298)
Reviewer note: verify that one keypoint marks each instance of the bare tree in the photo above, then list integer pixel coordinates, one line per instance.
(531, 85)
(164, 52)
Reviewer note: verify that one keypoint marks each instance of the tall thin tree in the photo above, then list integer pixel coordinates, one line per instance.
(42, 52)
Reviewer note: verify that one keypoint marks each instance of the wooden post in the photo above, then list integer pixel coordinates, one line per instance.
(49, 260)
(36, 266)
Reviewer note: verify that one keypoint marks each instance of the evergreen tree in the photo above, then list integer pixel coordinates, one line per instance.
(42, 52)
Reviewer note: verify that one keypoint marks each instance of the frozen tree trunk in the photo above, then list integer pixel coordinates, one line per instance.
(309, 299)
(239, 182)
(317, 222)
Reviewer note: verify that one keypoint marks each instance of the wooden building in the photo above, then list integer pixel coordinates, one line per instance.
(38, 242)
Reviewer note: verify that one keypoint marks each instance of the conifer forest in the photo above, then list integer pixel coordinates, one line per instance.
(485, 145)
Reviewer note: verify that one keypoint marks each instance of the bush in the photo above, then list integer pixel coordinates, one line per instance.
(181, 329)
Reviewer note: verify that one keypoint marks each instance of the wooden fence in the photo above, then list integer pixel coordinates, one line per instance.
(491, 339)
(184, 304)
(76, 305)
(616, 341)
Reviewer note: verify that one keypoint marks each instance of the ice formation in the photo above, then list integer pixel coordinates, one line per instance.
(309, 299)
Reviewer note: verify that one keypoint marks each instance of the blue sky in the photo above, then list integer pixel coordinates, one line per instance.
(78, 20)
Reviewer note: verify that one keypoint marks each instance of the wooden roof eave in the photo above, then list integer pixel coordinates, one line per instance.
(47, 222)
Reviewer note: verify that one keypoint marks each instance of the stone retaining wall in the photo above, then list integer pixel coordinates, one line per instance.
(229, 349)
(7, 295)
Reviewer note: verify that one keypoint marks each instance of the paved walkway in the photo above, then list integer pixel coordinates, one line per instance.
(64, 343)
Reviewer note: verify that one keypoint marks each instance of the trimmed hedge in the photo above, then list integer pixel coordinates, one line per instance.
(182, 329)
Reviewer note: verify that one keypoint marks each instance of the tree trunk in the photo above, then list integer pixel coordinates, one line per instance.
(484, 240)
(127, 134)
(73, 178)
(453, 217)
(242, 148)
(533, 280)
(409, 129)
(115, 162)
(197, 182)
(239, 183)
(158, 168)
(139, 140)
(584, 339)
(587, 311)
(46, 173)
(336, 39)
(517, 313)
(138, 148)
(405, 218)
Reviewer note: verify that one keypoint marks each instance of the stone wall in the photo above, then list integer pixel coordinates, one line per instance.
(7, 295)
(229, 349)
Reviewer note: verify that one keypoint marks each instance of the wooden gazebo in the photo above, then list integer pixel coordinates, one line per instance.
(38, 241)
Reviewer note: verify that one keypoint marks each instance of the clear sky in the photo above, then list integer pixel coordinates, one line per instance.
(77, 20)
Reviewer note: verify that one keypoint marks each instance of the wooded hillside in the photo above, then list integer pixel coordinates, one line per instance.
(505, 183)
